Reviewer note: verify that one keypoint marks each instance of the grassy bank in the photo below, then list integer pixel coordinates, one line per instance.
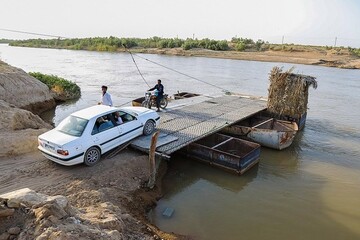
(236, 48)
(62, 89)
(114, 44)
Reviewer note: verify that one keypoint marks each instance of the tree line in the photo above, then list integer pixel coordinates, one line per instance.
(112, 44)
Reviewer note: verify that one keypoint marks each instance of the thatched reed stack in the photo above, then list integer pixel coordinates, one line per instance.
(288, 93)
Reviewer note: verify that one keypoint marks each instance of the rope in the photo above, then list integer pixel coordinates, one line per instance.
(124, 104)
(31, 33)
(187, 75)
(137, 67)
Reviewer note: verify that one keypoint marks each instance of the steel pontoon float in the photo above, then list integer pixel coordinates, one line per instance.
(224, 151)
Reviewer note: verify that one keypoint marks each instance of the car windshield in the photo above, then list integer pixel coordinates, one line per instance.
(73, 126)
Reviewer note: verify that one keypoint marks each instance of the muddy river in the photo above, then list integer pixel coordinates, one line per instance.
(308, 191)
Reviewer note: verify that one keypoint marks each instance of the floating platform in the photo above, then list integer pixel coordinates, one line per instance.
(137, 102)
(181, 126)
(226, 152)
(182, 95)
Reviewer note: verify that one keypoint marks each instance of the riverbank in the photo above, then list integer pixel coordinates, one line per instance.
(310, 56)
(116, 183)
(110, 194)
(109, 199)
(339, 57)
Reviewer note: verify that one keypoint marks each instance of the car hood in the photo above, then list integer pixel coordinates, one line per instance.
(56, 137)
(137, 110)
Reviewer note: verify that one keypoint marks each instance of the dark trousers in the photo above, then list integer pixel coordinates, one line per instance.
(158, 99)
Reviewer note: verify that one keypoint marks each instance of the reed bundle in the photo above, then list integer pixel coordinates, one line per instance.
(288, 92)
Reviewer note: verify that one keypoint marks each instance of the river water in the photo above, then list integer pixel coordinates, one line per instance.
(308, 191)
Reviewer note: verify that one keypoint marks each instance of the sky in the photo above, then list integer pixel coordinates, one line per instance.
(314, 22)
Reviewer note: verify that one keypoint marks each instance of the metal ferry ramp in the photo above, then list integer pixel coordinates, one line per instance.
(182, 126)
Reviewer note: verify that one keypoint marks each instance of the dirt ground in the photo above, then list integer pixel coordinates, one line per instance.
(119, 180)
(107, 201)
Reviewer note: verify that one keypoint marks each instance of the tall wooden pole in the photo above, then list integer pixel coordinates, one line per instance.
(152, 168)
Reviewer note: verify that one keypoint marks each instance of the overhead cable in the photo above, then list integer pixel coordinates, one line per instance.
(31, 33)
(138, 68)
(187, 75)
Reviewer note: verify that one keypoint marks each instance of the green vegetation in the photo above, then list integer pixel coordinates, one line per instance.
(3, 40)
(63, 89)
(241, 44)
(355, 51)
(113, 44)
(206, 44)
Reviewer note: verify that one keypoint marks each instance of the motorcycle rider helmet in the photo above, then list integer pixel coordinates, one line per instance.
(156, 92)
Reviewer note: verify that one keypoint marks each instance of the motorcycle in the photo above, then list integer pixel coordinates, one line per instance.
(150, 101)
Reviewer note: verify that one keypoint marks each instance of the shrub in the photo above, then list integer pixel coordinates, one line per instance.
(189, 44)
(244, 40)
(355, 51)
(128, 43)
(222, 45)
(67, 88)
(258, 44)
(240, 46)
(186, 45)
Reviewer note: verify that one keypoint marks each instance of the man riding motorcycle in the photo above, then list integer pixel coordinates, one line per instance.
(160, 93)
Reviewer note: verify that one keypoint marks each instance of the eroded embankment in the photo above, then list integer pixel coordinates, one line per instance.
(109, 199)
(106, 201)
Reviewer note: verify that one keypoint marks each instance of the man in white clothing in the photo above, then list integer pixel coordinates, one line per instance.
(106, 97)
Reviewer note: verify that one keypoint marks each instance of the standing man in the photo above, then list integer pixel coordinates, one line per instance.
(160, 93)
(105, 97)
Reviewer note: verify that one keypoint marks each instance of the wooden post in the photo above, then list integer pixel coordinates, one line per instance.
(152, 168)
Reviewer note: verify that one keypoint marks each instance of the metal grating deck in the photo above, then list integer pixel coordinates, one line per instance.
(194, 122)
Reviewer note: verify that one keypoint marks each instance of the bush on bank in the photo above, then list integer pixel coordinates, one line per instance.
(61, 88)
(355, 51)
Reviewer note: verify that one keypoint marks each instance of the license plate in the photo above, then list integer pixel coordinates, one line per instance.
(49, 147)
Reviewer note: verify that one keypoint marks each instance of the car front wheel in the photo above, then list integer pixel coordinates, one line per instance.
(92, 156)
(149, 127)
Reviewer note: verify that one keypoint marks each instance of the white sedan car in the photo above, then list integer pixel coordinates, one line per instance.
(85, 135)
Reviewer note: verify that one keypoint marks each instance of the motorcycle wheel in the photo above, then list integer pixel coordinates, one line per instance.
(163, 103)
(146, 104)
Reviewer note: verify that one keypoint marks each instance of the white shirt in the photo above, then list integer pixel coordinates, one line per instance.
(119, 121)
(106, 99)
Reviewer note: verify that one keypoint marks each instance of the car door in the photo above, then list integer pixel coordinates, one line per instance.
(105, 133)
(130, 128)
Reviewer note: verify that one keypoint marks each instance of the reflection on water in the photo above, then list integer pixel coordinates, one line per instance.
(50, 115)
(284, 197)
(181, 166)
(308, 191)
